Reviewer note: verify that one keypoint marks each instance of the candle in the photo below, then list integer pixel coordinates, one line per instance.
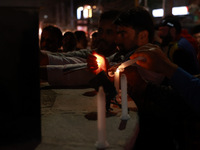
(101, 119)
(128, 63)
(116, 83)
(125, 115)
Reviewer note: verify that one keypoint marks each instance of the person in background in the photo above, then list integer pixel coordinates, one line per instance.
(94, 40)
(51, 39)
(178, 49)
(106, 43)
(81, 40)
(69, 42)
(107, 33)
(196, 35)
(55, 74)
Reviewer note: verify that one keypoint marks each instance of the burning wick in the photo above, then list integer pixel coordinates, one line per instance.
(100, 62)
(116, 83)
(123, 65)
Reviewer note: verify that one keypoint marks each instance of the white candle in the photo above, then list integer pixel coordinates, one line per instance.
(101, 119)
(125, 115)
(116, 83)
(128, 63)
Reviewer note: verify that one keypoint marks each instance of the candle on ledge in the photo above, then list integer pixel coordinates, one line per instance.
(116, 82)
(125, 115)
(101, 119)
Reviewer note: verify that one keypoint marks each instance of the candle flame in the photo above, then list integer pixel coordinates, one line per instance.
(98, 63)
(100, 60)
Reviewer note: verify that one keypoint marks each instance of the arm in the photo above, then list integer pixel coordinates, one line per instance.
(187, 85)
(155, 60)
(70, 75)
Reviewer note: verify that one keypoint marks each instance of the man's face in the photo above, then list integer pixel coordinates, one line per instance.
(49, 42)
(164, 34)
(106, 38)
(163, 31)
(127, 39)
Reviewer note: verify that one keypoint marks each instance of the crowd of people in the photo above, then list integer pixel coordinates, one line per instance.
(53, 40)
(164, 85)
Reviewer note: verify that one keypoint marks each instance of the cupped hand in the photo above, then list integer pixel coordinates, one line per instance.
(155, 60)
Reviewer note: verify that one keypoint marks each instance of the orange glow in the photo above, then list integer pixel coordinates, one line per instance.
(100, 62)
(117, 70)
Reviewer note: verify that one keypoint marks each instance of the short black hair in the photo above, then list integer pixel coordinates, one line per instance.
(109, 15)
(139, 19)
(55, 30)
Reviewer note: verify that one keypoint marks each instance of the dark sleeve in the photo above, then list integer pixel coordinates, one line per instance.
(189, 87)
(160, 101)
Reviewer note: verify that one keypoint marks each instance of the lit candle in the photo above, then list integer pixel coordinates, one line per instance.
(101, 119)
(125, 115)
(116, 83)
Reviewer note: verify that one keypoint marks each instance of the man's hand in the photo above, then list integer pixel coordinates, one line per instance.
(155, 60)
(97, 63)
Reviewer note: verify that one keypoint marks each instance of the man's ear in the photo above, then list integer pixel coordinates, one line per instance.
(143, 37)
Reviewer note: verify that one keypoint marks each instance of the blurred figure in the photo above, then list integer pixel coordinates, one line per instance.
(69, 42)
(51, 39)
(178, 49)
(196, 35)
(76, 58)
(107, 33)
(81, 40)
(106, 45)
(94, 40)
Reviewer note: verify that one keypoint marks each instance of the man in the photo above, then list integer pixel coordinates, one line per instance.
(51, 39)
(178, 49)
(166, 113)
(159, 120)
(196, 35)
(106, 46)
(135, 28)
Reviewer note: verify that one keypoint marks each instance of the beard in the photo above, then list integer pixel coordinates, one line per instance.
(106, 49)
(166, 39)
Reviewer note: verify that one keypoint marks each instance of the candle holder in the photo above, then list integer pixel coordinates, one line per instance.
(101, 79)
